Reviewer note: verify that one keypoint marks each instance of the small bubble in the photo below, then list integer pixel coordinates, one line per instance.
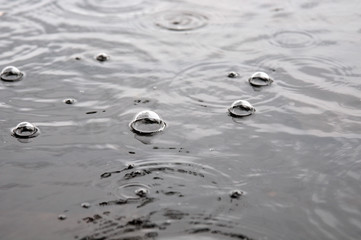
(11, 74)
(25, 130)
(233, 75)
(69, 101)
(102, 57)
(260, 79)
(62, 217)
(241, 108)
(147, 122)
(236, 194)
(85, 205)
(141, 192)
(77, 58)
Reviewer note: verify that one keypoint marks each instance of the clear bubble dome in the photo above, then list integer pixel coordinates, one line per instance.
(147, 122)
(11, 74)
(25, 130)
(259, 79)
(241, 108)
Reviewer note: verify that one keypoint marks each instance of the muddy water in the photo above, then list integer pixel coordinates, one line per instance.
(291, 170)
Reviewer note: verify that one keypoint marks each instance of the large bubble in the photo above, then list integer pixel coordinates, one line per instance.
(25, 130)
(241, 108)
(11, 74)
(147, 123)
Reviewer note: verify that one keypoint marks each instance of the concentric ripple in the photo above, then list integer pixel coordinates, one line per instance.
(209, 84)
(180, 20)
(293, 39)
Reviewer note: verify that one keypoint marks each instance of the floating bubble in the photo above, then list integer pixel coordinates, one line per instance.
(85, 205)
(147, 122)
(241, 108)
(69, 101)
(102, 57)
(236, 194)
(25, 130)
(233, 75)
(11, 74)
(141, 192)
(260, 79)
(62, 217)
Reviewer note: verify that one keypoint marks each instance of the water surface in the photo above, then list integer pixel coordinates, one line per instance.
(296, 160)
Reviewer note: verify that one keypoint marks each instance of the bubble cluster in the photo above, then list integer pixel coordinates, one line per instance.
(259, 79)
(11, 74)
(147, 123)
(241, 108)
(25, 130)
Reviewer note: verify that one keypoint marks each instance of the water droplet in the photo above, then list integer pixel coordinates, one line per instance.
(25, 130)
(147, 122)
(180, 21)
(233, 75)
(260, 79)
(236, 194)
(69, 101)
(241, 108)
(85, 205)
(11, 74)
(102, 57)
(62, 217)
(141, 192)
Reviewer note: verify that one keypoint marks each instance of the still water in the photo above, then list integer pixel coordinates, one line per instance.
(289, 170)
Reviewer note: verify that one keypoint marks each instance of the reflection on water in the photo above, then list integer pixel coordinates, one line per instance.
(290, 171)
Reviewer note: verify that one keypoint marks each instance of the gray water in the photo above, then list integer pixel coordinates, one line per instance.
(296, 160)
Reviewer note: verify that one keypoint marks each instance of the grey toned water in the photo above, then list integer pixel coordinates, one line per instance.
(295, 164)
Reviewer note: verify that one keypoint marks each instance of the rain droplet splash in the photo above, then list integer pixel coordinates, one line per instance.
(11, 74)
(102, 57)
(241, 108)
(260, 79)
(180, 21)
(25, 130)
(147, 123)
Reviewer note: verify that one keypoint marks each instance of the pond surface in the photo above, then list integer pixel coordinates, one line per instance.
(291, 170)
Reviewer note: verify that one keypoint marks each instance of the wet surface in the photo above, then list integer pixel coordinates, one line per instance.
(87, 68)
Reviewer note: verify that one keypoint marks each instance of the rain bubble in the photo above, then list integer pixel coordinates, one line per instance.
(85, 205)
(236, 194)
(260, 79)
(62, 217)
(147, 122)
(141, 192)
(241, 108)
(69, 101)
(11, 74)
(25, 130)
(102, 57)
(233, 75)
